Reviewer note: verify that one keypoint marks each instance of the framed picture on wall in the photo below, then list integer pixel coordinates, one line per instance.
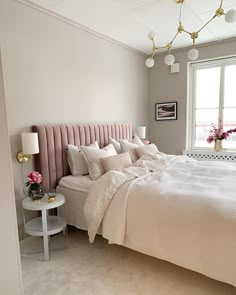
(166, 111)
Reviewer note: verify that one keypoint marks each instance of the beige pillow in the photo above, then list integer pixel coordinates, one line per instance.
(76, 160)
(145, 149)
(117, 162)
(93, 156)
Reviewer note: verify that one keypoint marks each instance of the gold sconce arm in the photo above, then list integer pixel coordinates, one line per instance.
(22, 158)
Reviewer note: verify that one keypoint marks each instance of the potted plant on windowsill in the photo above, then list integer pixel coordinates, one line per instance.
(217, 134)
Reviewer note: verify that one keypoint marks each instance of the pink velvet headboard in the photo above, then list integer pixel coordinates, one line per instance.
(51, 161)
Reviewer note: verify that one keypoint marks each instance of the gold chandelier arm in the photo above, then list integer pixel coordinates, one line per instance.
(153, 44)
(162, 47)
(187, 32)
(206, 24)
(174, 38)
(221, 3)
(154, 52)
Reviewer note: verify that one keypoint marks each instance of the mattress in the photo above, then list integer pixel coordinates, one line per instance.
(76, 183)
(74, 204)
(75, 190)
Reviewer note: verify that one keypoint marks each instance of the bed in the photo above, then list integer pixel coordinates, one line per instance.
(170, 207)
(52, 162)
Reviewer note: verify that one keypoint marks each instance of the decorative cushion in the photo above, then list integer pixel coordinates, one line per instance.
(116, 145)
(145, 149)
(76, 160)
(137, 140)
(130, 148)
(117, 162)
(93, 156)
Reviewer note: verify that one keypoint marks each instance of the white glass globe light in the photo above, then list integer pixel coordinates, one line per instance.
(193, 54)
(230, 16)
(149, 62)
(169, 59)
(151, 35)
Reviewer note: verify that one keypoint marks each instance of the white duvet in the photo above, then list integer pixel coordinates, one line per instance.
(173, 208)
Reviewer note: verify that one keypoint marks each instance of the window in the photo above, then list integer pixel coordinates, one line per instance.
(212, 97)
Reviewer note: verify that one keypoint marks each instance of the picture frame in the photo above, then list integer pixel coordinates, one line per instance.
(166, 111)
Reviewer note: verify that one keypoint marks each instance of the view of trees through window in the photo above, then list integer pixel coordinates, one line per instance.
(214, 99)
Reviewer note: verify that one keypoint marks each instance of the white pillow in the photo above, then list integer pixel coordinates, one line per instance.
(130, 148)
(137, 140)
(93, 156)
(145, 149)
(76, 160)
(116, 145)
(117, 162)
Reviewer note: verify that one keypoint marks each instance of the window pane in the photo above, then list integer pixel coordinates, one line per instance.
(229, 116)
(230, 86)
(204, 119)
(207, 88)
(230, 123)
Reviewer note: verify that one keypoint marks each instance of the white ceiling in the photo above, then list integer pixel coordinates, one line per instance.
(129, 21)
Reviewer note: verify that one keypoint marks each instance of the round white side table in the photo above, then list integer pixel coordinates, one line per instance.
(45, 225)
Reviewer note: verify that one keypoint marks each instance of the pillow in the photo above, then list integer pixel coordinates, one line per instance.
(76, 160)
(117, 162)
(130, 148)
(116, 145)
(93, 156)
(137, 140)
(145, 149)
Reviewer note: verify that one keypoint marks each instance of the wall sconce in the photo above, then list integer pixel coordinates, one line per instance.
(30, 146)
(141, 132)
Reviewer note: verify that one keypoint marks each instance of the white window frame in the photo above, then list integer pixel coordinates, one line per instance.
(191, 94)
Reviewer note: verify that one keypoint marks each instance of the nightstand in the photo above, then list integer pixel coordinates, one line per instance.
(46, 225)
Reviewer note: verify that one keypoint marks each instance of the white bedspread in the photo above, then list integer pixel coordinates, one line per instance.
(171, 207)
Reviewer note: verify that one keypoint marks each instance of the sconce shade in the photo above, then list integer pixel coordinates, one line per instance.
(141, 132)
(30, 144)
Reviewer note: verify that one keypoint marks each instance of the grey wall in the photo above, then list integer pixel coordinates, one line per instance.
(170, 136)
(55, 73)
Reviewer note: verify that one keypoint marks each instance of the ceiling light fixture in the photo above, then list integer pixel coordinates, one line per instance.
(193, 53)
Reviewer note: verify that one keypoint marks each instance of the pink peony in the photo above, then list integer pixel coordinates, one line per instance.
(35, 177)
(210, 139)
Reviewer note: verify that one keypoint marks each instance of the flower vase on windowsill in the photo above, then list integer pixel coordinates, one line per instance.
(218, 145)
(34, 188)
(217, 135)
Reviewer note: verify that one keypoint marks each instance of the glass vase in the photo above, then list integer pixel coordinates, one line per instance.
(218, 145)
(36, 192)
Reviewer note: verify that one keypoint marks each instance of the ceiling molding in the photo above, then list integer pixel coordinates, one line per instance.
(78, 25)
(197, 46)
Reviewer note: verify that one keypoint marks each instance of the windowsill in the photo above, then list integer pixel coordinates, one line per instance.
(207, 154)
(209, 150)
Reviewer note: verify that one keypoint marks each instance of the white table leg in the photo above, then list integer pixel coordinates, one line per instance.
(45, 235)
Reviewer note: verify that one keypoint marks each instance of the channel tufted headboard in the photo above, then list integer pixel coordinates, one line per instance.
(51, 161)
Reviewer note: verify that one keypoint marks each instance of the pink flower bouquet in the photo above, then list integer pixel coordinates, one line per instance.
(219, 133)
(34, 184)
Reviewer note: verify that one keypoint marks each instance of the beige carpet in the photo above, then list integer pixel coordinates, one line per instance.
(102, 269)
